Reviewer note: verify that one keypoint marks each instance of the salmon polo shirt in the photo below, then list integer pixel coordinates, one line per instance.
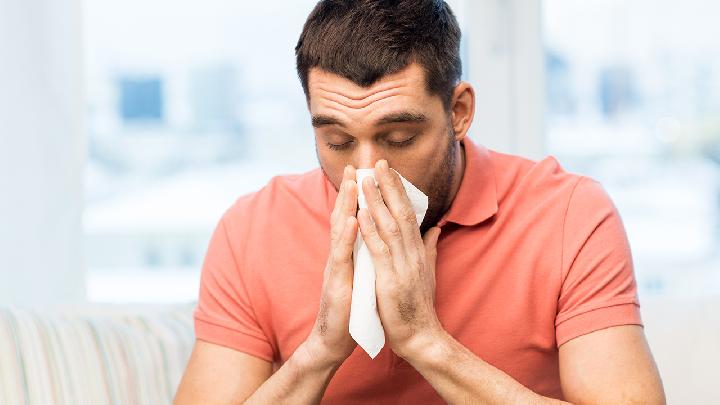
(529, 257)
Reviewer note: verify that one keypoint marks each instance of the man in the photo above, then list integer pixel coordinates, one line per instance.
(517, 287)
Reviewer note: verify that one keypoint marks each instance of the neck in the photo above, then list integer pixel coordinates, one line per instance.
(459, 171)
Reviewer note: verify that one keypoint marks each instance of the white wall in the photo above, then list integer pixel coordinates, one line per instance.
(42, 152)
(506, 68)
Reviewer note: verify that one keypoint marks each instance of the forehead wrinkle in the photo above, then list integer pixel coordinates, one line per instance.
(347, 111)
(409, 77)
(340, 112)
(359, 104)
(354, 92)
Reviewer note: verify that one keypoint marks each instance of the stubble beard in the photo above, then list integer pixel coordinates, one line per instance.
(438, 193)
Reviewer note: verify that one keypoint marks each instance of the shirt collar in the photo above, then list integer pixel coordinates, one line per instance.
(476, 199)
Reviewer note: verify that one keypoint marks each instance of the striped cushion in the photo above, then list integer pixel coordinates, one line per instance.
(102, 355)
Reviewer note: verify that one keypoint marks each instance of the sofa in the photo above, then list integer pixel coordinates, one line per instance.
(135, 354)
(94, 354)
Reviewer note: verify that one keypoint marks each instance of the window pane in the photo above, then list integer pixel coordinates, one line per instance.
(141, 99)
(190, 105)
(633, 100)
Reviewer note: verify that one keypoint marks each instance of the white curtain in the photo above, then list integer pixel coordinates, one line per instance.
(42, 152)
(506, 67)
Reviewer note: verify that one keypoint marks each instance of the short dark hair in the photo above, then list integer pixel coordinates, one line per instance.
(364, 40)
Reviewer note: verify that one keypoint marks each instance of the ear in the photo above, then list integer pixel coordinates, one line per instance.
(462, 108)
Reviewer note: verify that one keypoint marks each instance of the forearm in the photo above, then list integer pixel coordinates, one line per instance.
(460, 377)
(301, 380)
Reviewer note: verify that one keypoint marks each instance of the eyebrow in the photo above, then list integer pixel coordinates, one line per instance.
(321, 120)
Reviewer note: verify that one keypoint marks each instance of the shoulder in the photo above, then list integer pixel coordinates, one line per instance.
(549, 190)
(534, 181)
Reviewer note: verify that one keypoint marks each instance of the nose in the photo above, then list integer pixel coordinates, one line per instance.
(365, 156)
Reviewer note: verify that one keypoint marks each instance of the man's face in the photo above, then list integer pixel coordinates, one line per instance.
(395, 119)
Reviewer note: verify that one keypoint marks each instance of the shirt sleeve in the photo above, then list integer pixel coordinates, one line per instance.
(224, 314)
(598, 282)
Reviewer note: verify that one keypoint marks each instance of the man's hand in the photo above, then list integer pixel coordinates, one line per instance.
(330, 337)
(404, 262)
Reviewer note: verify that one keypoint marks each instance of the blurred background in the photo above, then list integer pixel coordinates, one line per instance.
(127, 128)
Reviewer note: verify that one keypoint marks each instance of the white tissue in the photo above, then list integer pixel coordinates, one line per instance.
(365, 326)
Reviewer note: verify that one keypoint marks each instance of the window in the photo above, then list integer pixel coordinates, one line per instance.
(193, 107)
(141, 99)
(633, 100)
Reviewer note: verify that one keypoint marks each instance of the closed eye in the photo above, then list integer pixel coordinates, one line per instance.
(403, 143)
(393, 144)
(342, 146)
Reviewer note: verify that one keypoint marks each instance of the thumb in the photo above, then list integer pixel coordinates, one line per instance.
(430, 241)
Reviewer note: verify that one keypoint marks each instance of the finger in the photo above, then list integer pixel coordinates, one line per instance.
(342, 253)
(386, 226)
(349, 204)
(350, 172)
(336, 225)
(430, 240)
(337, 221)
(379, 251)
(340, 275)
(338, 201)
(350, 196)
(398, 203)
